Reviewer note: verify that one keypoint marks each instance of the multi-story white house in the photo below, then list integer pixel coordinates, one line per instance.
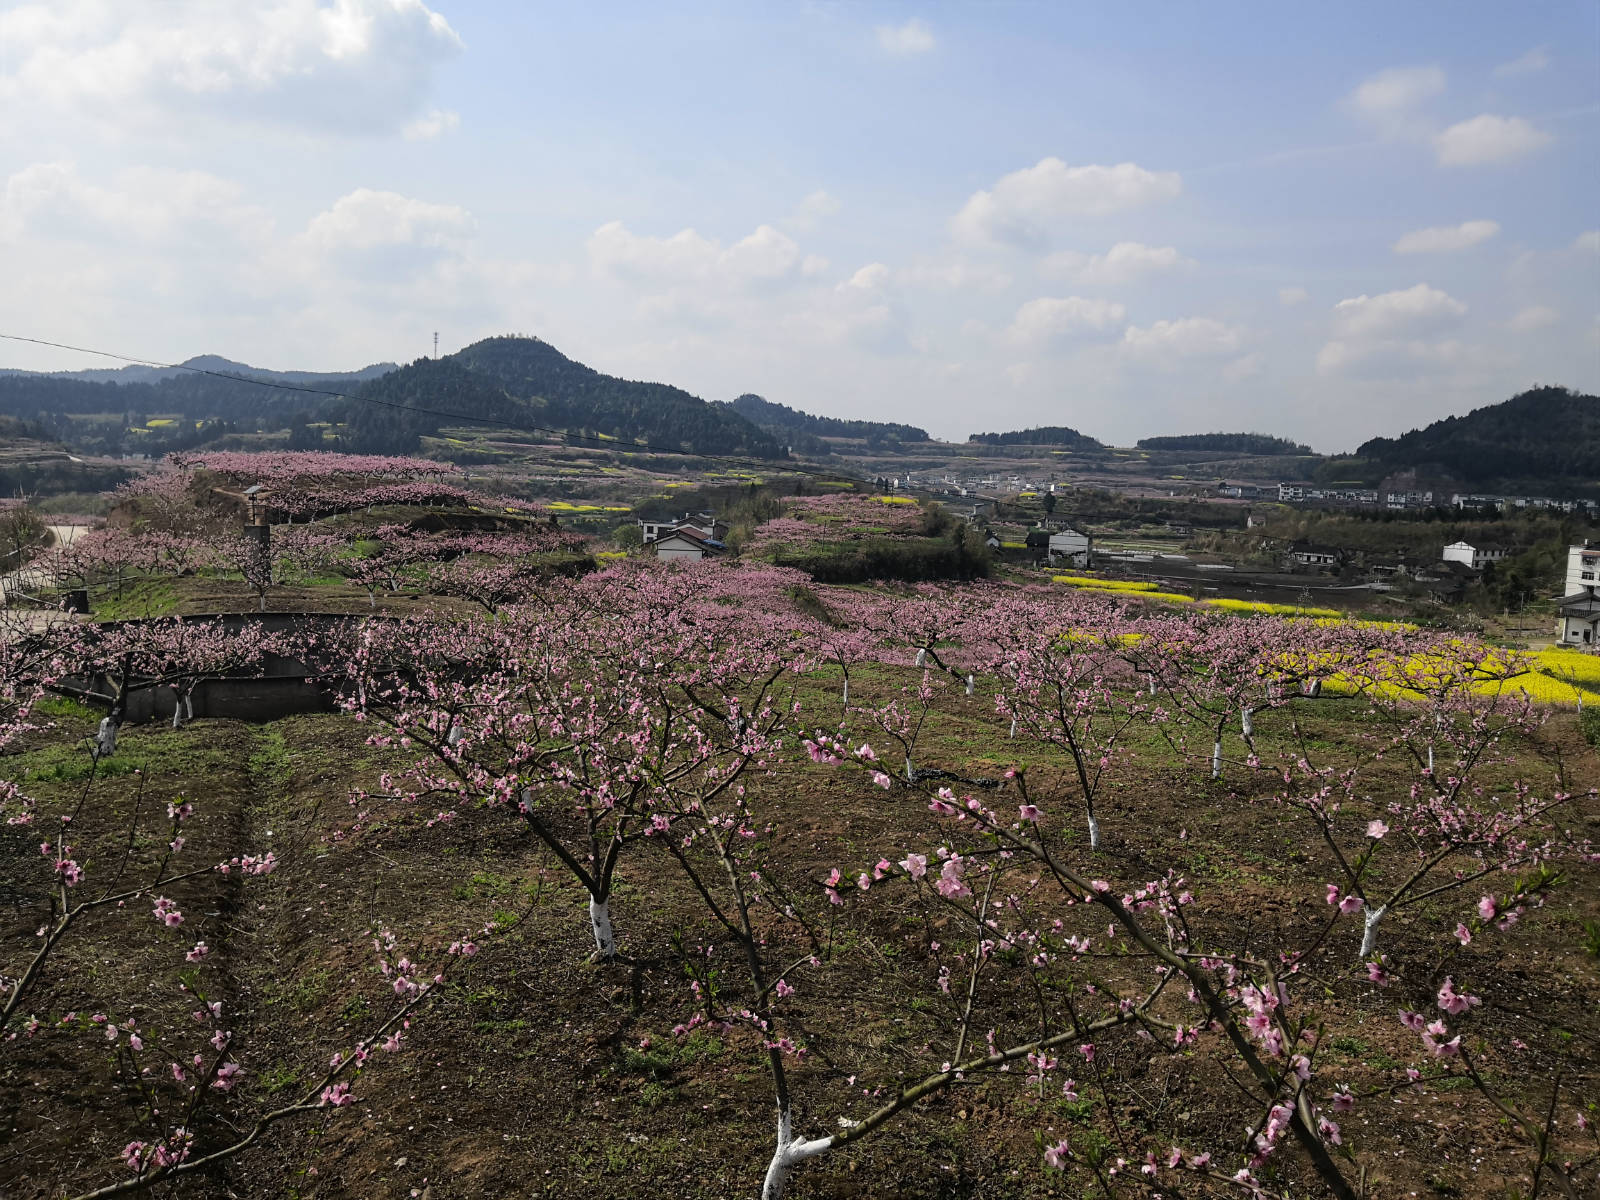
(1473, 556)
(1579, 620)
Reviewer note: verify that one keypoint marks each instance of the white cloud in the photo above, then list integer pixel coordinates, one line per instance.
(352, 66)
(914, 37)
(148, 205)
(1444, 239)
(435, 123)
(1246, 366)
(1414, 310)
(1055, 318)
(954, 276)
(1588, 242)
(1409, 358)
(1539, 316)
(1390, 97)
(812, 211)
(1387, 335)
(1291, 296)
(1488, 139)
(764, 257)
(1187, 337)
(1534, 60)
(1123, 263)
(1023, 206)
(366, 220)
(871, 277)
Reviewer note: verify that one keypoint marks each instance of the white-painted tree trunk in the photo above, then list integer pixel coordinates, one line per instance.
(1216, 759)
(455, 736)
(790, 1150)
(911, 772)
(971, 683)
(922, 658)
(846, 697)
(600, 920)
(1246, 725)
(1094, 834)
(105, 738)
(1013, 727)
(1369, 932)
(1430, 758)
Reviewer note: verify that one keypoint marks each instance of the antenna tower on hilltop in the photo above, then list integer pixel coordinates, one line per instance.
(436, 343)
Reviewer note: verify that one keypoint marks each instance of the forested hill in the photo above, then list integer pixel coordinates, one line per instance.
(1044, 435)
(1226, 443)
(805, 431)
(1545, 438)
(528, 381)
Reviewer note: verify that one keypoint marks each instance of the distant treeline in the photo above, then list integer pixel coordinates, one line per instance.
(1227, 443)
(1044, 435)
(804, 431)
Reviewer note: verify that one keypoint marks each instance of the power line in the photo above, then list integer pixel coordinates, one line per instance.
(567, 436)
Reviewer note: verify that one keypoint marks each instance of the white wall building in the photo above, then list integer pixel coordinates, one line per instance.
(1072, 546)
(1473, 556)
(1579, 622)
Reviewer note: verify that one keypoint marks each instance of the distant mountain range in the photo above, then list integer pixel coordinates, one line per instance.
(210, 362)
(1545, 439)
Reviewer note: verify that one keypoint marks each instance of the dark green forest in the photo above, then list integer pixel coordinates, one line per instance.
(1547, 438)
(1044, 435)
(1228, 443)
(805, 432)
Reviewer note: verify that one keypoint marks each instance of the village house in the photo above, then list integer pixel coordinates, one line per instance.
(1475, 557)
(1309, 554)
(685, 544)
(703, 523)
(1579, 621)
(1070, 545)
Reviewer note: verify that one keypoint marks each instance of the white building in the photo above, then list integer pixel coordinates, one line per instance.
(1473, 556)
(1072, 546)
(1579, 622)
(685, 545)
(703, 523)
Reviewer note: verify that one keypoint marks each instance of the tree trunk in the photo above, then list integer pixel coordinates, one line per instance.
(105, 739)
(1216, 759)
(1369, 933)
(600, 921)
(789, 1151)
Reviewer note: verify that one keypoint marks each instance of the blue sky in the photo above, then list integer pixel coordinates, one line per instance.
(1326, 222)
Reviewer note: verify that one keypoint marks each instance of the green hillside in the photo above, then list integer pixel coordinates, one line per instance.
(1544, 439)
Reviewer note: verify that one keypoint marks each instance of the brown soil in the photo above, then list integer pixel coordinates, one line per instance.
(526, 1077)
